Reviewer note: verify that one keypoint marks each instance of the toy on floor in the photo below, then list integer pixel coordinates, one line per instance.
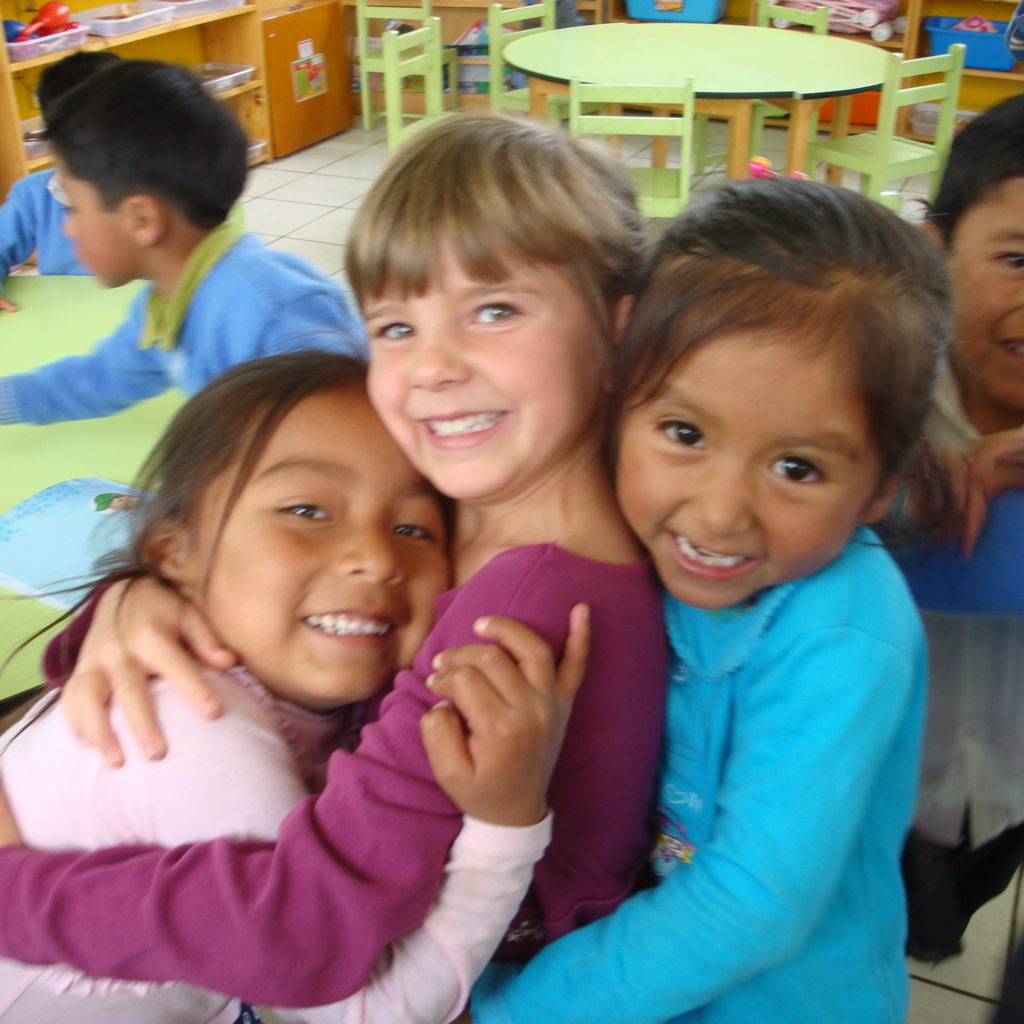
(761, 167)
(876, 17)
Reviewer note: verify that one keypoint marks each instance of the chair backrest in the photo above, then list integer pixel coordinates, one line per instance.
(903, 86)
(498, 20)
(407, 54)
(367, 13)
(816, 20)
(671, 116)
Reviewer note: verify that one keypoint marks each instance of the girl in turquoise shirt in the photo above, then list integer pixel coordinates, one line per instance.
(774, 379)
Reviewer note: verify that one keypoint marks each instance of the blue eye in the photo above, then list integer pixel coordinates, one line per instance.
(681, 432)
(496, 313)
(798, 470)
(393, 332)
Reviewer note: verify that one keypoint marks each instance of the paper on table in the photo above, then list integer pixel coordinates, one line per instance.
(50, 542)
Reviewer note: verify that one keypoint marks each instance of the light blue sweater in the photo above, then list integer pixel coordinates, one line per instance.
(253, 302)
(788, 774)
(32, 221)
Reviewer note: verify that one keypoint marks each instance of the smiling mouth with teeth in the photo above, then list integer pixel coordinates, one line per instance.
(709, 558)
(349, 625)
(472, 424)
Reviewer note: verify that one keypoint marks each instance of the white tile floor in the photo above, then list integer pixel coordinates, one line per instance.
(305, 203)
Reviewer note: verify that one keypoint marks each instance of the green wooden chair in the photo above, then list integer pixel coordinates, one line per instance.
(370, 21)
(406, 55)
(661, 191)
(766, 14)
(498, 19)
(882, 155)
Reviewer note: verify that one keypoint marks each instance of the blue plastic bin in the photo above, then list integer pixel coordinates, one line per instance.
(984, 49)
(675, 10)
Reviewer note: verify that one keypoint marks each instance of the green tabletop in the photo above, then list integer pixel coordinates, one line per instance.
(724, 60)
(61, 316)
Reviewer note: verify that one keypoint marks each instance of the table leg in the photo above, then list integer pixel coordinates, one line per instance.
(840, 129)
(798, 133)
(738, 139)
(540, 90)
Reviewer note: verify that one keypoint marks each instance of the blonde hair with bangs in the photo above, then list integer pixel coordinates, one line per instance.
(493, 188)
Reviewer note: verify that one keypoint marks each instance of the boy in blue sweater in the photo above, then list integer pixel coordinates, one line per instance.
(32, 219)
(151, 165)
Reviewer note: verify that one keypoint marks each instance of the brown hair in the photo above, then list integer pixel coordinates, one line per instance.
(494, 187)
(800, 262)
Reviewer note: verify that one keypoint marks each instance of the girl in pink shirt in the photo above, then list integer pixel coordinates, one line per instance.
(280, 505)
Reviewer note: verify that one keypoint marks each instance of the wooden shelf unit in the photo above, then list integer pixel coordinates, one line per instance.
(230, 37)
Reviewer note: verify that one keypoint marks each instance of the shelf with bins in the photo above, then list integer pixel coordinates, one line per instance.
(981, 87)
(229, 36)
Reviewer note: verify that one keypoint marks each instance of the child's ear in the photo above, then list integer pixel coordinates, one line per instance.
(166, 550)
(878, 507)
(145, 218)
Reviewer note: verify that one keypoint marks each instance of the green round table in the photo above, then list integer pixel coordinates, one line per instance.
(61, 316)
(730, 65)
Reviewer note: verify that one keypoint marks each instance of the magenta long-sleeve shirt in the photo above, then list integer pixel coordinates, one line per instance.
(300, 921)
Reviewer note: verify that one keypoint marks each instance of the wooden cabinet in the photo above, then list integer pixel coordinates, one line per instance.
(231, 37)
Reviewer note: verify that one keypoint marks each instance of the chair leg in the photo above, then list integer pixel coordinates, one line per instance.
(451, 62)
(700, 142)
(365, 99)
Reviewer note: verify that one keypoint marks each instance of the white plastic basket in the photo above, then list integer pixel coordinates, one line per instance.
(120, 19)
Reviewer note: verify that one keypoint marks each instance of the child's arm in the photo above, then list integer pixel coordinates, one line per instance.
(515, 714)
(18, 233)
(789, 804)
(113, 376)
(1015, 33)
(360, 864)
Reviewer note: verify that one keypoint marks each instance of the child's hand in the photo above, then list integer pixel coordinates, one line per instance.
(495, 762)
(996, 465)
(9, 834)
(140, 630)
(7, 306)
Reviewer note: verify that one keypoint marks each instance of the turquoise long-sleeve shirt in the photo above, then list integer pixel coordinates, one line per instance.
(253, 302)
(788, 773)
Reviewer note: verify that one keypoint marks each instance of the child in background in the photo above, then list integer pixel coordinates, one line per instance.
(32, 219)
(494, 260)
(151, 165)
(968, 839)
(775, 377)
(280, 504)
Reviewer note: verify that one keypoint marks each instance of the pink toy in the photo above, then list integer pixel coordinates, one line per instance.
(975, 23)
(877, 17)
(760, 167)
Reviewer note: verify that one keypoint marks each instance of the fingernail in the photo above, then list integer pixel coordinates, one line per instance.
(153, 751)
(211, 709)
(431, 679)
(481, 624)
(436, 663)
(114, 760)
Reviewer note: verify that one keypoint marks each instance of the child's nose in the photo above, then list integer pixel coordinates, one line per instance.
(371, 552)
(723, 501)
(437, 360)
